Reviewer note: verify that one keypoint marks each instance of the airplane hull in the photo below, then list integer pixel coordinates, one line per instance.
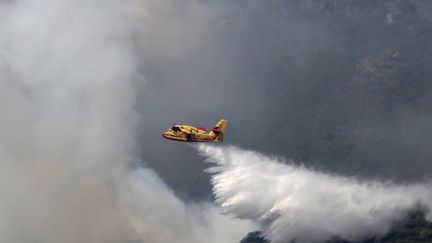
(184, 139)
(174, 138)
(186, 133)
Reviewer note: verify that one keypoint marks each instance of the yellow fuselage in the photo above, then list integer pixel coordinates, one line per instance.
(188, 133)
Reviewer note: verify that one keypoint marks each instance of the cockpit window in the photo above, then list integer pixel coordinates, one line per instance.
(174, 128)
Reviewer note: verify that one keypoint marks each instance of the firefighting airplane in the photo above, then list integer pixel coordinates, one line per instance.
(186, 133)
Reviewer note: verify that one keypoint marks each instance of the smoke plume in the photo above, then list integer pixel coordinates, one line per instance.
(302, 205)
(67, 133)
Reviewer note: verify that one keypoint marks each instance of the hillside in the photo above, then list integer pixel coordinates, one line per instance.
(415, 229)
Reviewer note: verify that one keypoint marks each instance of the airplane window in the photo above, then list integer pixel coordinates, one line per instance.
(175, 129)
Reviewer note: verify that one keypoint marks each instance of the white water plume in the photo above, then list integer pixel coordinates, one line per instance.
(302, 205)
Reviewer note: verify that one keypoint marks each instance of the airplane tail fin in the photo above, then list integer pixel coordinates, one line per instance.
(219, 130)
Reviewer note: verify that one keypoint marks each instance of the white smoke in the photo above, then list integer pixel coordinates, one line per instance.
(302, 205)
(158, 216)
(67, 133)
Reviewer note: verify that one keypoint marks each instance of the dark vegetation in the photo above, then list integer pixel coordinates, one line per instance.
(254, 237)
(414, 229)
